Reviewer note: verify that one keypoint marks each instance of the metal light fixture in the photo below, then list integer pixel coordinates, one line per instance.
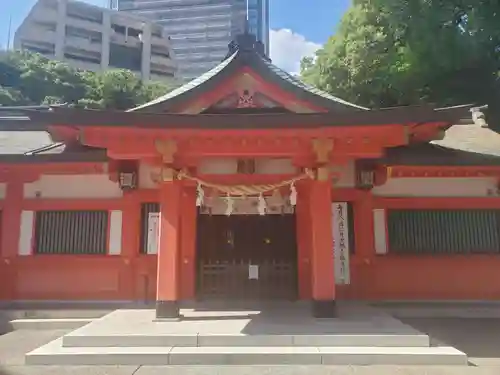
(365, 175)
(128, 180)
(127, 176)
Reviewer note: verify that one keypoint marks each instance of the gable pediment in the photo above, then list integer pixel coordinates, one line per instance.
(247, 68)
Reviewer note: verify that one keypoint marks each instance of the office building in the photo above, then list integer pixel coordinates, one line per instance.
(93, 38)
(201, 29)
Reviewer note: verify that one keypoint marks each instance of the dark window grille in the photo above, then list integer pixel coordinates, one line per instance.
(444, 231)
(71, 232)
(350, 226)
(146, 209)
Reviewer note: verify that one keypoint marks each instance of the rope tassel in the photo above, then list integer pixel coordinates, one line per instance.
(230, 205)
(293, 194)
(200, 195)
(261, 207)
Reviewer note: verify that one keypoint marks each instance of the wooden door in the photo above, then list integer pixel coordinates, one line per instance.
(247, 257)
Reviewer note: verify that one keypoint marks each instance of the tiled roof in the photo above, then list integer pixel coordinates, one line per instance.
(462, 145)
(23, 141)
(472, 138)
(304, 86)
(25, 145)
(197, 82)
(248, 55)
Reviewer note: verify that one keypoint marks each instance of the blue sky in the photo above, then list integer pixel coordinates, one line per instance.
(299, 26)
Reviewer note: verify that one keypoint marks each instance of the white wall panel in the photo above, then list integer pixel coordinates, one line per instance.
(346, 174)
(73, 186)
(218, 166)
(437, 187)
(379, 228)
(115, 233)
(26, 233)
(146, 172)
(3, 190)
(274, 166)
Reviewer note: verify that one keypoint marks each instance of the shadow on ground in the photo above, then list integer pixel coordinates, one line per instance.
(478, 338)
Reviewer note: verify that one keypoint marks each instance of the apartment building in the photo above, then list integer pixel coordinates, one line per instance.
(200, 30)
(93, 38)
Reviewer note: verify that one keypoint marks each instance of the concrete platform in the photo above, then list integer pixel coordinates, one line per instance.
(55, 354)
(356, 326)
(277, 336)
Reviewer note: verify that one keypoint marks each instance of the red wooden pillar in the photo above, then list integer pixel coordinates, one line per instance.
(188, 244)
(363, 226)
(167, 287)
(11, 217)
(365, 246)
(10, 233)
(323, 282)
(131, 226)
(304, 233)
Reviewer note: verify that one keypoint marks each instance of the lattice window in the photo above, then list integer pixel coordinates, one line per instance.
(443, 231)
(71, 232)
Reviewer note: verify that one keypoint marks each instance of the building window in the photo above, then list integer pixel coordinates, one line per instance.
(443, 231)
(350, 226)
(124, 57)
(146, 210)
(71, 232)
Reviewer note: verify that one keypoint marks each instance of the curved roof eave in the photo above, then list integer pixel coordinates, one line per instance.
(262, 66)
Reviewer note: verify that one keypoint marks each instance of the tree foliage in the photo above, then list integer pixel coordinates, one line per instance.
(31, 79)
(400, 52)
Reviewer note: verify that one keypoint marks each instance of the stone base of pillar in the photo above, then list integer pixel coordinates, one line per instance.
(167, 310)
(324, 309)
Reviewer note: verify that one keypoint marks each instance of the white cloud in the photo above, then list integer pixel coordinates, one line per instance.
(288, 48)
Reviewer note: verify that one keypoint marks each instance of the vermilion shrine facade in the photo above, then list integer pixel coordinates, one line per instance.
(248, 184)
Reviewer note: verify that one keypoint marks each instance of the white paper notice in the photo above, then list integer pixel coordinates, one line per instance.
(153, 232)
(253, 272)
(341, 242)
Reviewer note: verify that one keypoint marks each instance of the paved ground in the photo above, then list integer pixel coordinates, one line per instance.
(479, 338)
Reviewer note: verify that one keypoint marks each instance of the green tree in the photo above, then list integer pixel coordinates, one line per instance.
(31, 79)
(399, 52)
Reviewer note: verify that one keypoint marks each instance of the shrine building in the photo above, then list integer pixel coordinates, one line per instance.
(248, 184)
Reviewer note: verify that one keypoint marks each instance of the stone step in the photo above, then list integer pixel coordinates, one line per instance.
(55, 354)
(74, 313)
(41, 324)
(80, 339)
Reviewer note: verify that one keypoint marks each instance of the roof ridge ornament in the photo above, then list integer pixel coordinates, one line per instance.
(478, 116)
(247, 41)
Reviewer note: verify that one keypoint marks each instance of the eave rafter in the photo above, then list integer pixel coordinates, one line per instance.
(347, 142)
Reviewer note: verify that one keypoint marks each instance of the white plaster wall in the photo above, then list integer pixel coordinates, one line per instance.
(262, 166)
(379, 229)
(26, 233)
(218, 166)
(73, 186)
(3, 190)
(146, 172)
(346, 175)
(115, 233)
(274, 166)
(437, 187)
